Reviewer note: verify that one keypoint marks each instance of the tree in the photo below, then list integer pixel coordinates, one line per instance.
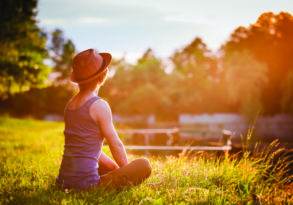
(137, 89)
(144, 100)
(22, 47)
(62, 52)
(193, 58)
(148, 68)
(244, 79)
(194, 67)
(270, 41)
(287, 97)
(118, 85)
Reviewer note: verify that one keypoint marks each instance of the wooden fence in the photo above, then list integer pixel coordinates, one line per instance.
(226, 141)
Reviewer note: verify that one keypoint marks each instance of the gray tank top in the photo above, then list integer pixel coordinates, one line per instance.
(83, 143)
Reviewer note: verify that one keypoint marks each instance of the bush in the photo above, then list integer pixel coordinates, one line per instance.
(37, 102)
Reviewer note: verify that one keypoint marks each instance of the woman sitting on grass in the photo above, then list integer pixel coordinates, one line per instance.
(88, 120)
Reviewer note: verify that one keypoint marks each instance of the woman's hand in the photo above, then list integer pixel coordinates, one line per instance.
(106, 164)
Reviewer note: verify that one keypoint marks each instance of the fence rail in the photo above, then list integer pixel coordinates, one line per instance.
(178, 148)
(226, 140)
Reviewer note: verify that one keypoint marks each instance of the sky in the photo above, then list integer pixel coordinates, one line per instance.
(128, 27)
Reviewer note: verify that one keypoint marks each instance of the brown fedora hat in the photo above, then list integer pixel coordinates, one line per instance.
(88, 64)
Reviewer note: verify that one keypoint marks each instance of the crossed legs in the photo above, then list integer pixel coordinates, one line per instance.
(132, 174)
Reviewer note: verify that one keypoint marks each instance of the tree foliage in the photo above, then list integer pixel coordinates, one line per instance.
(287, 98)
(269, 40)
(137, 89)
(62, 51)
(194, 68)
(22, 47)
(251, 73)
(244, 79)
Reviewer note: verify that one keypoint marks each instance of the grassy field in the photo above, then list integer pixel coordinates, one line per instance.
(30, 153)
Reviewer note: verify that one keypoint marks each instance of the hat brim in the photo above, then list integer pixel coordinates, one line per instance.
(107, 57)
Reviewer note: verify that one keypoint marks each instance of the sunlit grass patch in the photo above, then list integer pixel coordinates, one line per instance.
(30, 157)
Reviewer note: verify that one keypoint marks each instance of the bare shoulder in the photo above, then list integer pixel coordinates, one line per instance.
(100, 110)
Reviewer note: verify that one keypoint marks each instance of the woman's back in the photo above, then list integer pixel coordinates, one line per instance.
(83, 127)
(83, 142)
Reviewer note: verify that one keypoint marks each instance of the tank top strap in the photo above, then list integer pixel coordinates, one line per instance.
(91, 101)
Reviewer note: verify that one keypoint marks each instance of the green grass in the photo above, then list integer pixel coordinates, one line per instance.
(30, 154)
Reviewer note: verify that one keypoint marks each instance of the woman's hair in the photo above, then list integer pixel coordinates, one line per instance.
(94, 83)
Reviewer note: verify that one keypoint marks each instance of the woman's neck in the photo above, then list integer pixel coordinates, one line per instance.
(88, 93)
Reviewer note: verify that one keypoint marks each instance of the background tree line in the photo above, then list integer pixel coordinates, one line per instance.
(251, 73)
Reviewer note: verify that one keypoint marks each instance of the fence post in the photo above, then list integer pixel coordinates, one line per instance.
(146, 142)
(226, 139)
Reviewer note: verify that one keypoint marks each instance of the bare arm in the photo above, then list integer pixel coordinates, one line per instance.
(100, 111)
(106, 164)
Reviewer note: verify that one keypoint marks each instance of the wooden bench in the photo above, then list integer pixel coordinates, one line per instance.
(226, 141)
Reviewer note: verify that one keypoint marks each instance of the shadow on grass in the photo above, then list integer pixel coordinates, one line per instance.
(54, 195)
